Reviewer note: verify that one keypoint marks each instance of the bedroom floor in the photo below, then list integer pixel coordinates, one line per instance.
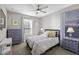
(22, 49)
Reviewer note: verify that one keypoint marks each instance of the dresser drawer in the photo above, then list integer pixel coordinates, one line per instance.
(70, 45)
(70, 42)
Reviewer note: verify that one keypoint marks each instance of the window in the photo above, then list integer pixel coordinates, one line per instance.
(27, 26)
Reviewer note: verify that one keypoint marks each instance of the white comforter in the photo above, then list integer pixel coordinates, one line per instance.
(40, 44)
(32, 39)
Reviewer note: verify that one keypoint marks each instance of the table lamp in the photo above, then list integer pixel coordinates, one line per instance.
(70, 30)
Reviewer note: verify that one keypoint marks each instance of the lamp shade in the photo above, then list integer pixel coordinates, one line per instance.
(42, 29)
(70, 30)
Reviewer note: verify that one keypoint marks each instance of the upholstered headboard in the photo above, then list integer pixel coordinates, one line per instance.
(57, 32)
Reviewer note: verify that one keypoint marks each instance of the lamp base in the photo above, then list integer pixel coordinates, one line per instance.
(70, 35)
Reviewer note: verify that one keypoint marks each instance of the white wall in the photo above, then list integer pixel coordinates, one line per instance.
(51, 21)
(36, 26)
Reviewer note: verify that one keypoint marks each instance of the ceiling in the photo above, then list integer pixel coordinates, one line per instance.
(26, 8)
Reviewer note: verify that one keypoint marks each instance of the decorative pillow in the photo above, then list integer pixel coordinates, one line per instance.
(51, 34)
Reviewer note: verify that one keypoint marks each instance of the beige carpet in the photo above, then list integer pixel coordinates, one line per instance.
(22, 49)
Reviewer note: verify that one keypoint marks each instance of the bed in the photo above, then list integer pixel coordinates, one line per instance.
(41, 43)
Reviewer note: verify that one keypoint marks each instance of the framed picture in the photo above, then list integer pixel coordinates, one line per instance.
(1, 21)
(14, 22)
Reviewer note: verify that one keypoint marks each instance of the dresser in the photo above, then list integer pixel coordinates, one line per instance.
(71, 44)
(15, 34)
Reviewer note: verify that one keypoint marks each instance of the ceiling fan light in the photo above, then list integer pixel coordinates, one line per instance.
(38, 11)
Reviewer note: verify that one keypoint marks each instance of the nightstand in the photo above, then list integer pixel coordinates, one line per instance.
(71, 44)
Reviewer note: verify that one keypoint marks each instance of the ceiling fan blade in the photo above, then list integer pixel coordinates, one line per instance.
(43, 11)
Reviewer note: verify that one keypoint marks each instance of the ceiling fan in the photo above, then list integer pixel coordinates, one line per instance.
(39, 9)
